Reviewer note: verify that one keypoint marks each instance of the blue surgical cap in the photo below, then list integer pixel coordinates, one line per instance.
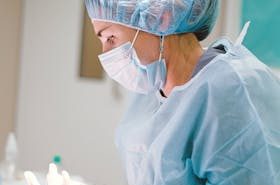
(159, 17)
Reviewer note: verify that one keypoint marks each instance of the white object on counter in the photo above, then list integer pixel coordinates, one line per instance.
(8, 168)
(53, 177)
(40, 177)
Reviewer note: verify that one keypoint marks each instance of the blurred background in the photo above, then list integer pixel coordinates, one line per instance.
(56, 98)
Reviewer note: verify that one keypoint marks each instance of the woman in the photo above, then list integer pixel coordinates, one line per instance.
(198, 116)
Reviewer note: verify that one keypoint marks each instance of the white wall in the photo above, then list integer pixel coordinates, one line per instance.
(228, 22)
(58, 112)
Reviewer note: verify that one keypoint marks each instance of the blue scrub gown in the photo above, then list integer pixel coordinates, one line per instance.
(220, 128)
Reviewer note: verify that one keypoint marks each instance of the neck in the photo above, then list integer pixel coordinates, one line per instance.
(182, 52)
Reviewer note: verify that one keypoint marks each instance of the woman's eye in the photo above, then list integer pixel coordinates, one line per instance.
(110, 39)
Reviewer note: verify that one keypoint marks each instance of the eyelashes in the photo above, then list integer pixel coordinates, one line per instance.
(111, 40)
(108, 43)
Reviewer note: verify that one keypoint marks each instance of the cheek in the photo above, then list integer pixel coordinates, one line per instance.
(147, 52)
(106, 47)
(118, 41)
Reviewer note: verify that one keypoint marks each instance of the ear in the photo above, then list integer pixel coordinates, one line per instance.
(166, 18)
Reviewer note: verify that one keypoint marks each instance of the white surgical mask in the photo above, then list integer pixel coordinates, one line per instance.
(123, 65)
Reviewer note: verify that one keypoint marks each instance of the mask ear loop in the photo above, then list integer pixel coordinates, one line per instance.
(134, 39)
(133, 42)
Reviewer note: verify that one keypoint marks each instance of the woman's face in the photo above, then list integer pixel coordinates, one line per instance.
(113, 35)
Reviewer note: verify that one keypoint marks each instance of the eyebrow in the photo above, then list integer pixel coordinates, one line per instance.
(99, 34)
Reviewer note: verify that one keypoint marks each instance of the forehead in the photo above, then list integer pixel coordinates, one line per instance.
(103, 25)
(100, 25)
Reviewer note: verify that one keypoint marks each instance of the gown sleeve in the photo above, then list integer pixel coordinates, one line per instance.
(235, 144)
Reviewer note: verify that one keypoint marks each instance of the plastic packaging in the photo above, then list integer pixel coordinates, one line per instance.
(8, 166)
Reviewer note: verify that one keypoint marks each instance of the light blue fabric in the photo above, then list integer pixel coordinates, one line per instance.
(220, 128)
(162, 17)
